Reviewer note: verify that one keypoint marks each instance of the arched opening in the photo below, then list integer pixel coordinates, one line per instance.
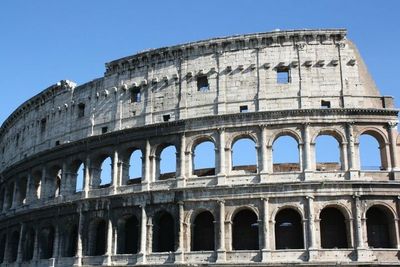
(333, 229)
(380, 231)
(99, 237)
(13, 247)
(37, 184)
(70, 241)
(135, 167)
(28, 245)
(285, 154)
(46, 240)
(371, 153)
(288, 230)
(106, 172)
(9, 195)
(244, 155)
(245, 231)
(80, 176)
(21, 191)
(204, 159)
(167, 164)
(164, 233)
(53, 182)
(2, 247)
(128, 235)
(327, 161)
(203, 232)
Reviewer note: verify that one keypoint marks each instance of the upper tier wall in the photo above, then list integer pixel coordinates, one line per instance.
(324, 70)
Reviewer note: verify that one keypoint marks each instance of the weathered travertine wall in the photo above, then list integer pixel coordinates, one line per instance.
(299, 84)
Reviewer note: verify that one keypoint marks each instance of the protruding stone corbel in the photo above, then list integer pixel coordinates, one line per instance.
(351, 62)
(307, 63)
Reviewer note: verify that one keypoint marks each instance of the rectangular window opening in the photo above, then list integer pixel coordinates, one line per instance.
(166, 117)
(104, 130)
(244, 109)
(57, 142)
(136, 96)
(43, 125)
(325, 104)
(81, 110)
(202, 84)
(282, 75)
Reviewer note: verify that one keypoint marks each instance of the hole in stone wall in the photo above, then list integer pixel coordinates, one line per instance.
(244, 109)
(204, 159)
(166, 117)
(202, 83)
(244, 146)
(245, 231)
(81, 110)
(327, 161)
(135, 167)
(104, 130)
(285, 154)
(325, 104)
(282, 75)
(203, 232)
(136, 96)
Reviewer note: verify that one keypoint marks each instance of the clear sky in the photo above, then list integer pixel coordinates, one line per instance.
(45, 41)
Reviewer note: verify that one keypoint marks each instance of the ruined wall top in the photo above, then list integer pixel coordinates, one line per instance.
(275, 71)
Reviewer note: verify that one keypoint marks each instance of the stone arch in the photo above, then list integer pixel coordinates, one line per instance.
(9, 197)
(237, 162)
(70, 240)
(333, 228)
(245, 230)
(128, 236)
(283, 132)
(13, 246)
(22, 185)
(46, 242)
(97, 237)
(163, 232)
(295, 207)
(381, 138)
(380, 222)
(37, 183)
(76, 168)
(288, 229)
(329, 134)
(170, 157)
(28, 244)
(196, 140)
(203, 232)
(196, 144)
(287, 164)
(101, 171)
(53, 180)
(132, 159)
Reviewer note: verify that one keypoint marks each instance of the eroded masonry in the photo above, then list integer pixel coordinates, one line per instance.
(60, 207)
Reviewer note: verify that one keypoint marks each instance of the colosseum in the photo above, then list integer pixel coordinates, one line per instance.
(59, 207)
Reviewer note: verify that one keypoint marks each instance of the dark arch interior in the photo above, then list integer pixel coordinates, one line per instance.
(27, 252)
(46, 242)
(2, 248)
(164, 233)
(378, 230)
(203, 232)
(288, 230)
(333, 229)
(245, 231)
(71, 241)
(128, 236)
(13, 247)
(100, 238)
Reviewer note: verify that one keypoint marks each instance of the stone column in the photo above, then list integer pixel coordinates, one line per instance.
(396, 223)
(221, 251)
(115, 180)
(351, 152)
(43, 184)
(56, 241)
(147, 167)
(264, 233)
(14, 203)
(263, 149)
(36, 250)
(86, 178)
(362, 252)
(20, 245)
(181, 179)
(79, 249)
(393, 145)
(149, 245)
(306, 150)
(109, 248)
(221, 157)
(311, 229)
(343, 156)
(29, 189)
(143, 235)
(179, 254)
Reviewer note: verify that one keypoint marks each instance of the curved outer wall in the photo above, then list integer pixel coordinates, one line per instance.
(151, 100)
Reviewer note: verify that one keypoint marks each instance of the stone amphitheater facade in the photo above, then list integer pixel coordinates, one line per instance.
(301, 84)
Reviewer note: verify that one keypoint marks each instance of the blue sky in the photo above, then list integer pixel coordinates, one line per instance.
(45, 41)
